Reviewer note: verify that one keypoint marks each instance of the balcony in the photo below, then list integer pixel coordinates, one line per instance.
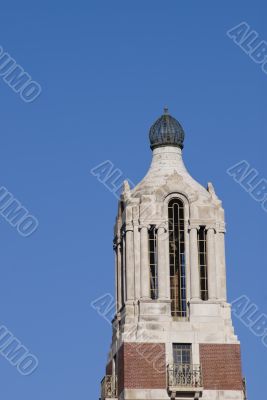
(109, 387)
(184, 378)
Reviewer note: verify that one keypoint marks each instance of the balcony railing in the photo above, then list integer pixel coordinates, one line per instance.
(184, 377)
(109, 387)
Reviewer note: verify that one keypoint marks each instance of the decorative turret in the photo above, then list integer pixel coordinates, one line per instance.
(172, 332)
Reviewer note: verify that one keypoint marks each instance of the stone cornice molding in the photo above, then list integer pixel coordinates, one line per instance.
(193, 226)
(221, 227)
(143, 225)
(211, 226)
(163, 225)
(196, 224)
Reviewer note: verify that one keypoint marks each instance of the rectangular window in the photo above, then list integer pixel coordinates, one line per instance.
(203, 269)
(182, 354)
(152, 238)
(183, 373)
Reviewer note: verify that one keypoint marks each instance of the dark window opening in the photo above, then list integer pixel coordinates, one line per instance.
(203, 269)
(152, 237)
(177, 258)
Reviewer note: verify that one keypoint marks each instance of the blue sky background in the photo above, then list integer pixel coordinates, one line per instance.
(107, 68)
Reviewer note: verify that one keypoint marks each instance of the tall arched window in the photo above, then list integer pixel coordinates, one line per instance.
(177, 258)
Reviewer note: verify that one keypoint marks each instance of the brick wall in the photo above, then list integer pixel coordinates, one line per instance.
(142, 366)
(109, 368)
(221, 364)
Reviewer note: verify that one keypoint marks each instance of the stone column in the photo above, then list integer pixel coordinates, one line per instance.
(129, 262)
(194, 264)
(116, 272)
(123, 268)
(163, 273)
(221, 240)
(211, 261)
(137, 270)
(145, 272)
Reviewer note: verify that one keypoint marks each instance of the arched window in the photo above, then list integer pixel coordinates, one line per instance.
(177, 258)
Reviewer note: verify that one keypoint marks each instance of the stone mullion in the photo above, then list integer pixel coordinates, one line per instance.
(129, 262)
(123, 268)
(117, 248)
(194, 263)
(163, 271)
(144, 258)
(222, 265)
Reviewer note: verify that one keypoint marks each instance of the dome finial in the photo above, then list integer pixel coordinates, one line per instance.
(166, 110)
(166, 131)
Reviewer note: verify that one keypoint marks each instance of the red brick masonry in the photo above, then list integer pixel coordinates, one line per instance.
(221, 364)
(109, 368)
(142, 366)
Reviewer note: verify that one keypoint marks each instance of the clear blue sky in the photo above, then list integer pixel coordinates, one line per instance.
(107, 68)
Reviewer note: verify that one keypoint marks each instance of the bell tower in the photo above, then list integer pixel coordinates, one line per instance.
(173, 336)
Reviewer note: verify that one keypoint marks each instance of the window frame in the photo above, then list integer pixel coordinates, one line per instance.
(185, 350)
(153, 262)
(177, 257)
(202, 262)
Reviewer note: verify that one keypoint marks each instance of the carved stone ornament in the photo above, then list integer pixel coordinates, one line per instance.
(176, 184)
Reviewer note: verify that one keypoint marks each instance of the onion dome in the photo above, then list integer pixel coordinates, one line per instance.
(166, 131)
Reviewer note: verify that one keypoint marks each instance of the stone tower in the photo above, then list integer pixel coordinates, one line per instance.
(173, 336)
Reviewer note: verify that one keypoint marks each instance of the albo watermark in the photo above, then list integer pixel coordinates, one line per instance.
(17, 78)
(16, 214)
(251, 181)
(249, 41)
(16, 354)
(250, 315)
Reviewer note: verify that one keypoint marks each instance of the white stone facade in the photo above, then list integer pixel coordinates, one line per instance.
(158, 394)
(141, 319)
